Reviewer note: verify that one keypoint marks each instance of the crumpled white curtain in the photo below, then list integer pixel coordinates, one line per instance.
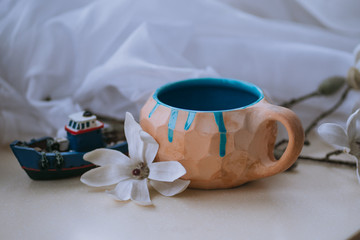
(57, 57)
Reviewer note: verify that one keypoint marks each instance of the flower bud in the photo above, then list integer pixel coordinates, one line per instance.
(331, 85)
(353, 78)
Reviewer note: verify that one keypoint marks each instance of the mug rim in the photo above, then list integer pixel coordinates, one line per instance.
(247, 86)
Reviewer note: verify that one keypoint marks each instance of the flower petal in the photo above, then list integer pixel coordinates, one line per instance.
(351, 125)
(132, 133)
(106, 175)
(103, 156)
(140, 192)
(166, 171)
(151, 147)
(122, 191)
(170, 188)
(334, 134)
(357, 169)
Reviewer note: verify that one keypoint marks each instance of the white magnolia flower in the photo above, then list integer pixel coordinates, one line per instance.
(347, 139)
(132, 174)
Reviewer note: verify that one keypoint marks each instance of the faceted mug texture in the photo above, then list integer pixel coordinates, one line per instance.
(224, 149)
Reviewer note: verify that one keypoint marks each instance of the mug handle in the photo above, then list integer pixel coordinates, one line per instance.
(293, 126)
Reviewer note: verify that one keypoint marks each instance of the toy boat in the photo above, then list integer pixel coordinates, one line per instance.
(50, 158)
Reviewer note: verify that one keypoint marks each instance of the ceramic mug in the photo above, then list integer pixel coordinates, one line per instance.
(222, 131)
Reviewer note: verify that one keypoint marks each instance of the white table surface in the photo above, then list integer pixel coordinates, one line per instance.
(315, 201)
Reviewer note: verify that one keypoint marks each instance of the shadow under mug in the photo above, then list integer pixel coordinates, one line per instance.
(222, 131)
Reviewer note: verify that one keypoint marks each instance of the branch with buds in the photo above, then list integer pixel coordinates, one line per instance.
(327, 87)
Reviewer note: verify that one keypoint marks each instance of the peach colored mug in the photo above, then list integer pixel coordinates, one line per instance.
(222, 131)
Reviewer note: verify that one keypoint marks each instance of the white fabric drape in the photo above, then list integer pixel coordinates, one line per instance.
(108, 56)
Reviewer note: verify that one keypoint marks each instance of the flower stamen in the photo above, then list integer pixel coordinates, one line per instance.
(141, 171)
(136, 172)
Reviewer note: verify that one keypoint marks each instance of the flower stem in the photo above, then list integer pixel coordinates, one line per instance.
(336, 152)
(326, 160)
(294, 101)
(328, 112)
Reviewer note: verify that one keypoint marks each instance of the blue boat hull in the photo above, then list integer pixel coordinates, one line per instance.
(47, 166)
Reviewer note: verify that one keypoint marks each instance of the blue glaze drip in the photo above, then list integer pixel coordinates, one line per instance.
(189, 120)
(170, 134)
(172, 123)
(220, 122)
(153, 110)
(222, 144)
